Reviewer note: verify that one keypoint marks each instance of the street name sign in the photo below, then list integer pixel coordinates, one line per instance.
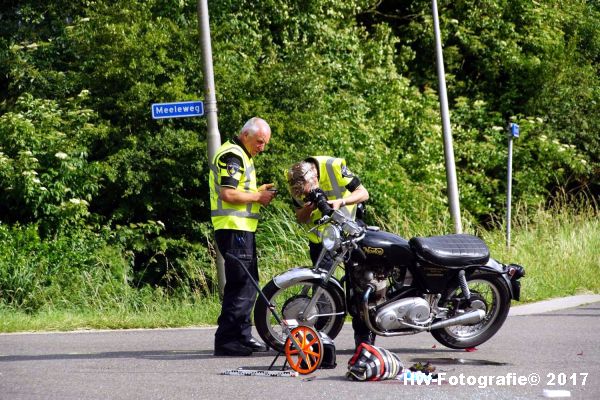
(177, 110)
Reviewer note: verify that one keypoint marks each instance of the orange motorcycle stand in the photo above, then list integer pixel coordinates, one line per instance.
(304, 350)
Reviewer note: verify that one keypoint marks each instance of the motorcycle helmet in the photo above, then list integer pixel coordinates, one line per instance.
(372, 363)
(328, 352)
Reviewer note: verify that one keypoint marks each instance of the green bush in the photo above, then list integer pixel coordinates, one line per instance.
(81, 270)
(45, 175)
(81, 159)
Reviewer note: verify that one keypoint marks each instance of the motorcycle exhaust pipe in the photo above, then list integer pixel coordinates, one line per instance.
(470, 317)
(367, 320)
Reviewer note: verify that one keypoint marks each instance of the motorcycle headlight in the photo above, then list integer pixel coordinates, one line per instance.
(331, 237)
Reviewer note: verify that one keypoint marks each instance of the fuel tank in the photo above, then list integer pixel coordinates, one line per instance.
(383, 249)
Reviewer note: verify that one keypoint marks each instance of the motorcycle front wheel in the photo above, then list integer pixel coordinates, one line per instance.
(326, 316)
(488, 293)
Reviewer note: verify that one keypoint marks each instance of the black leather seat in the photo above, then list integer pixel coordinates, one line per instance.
(452, 251)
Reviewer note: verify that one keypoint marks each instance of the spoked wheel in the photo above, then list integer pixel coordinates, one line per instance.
(488, 293)
(291, 302)
(311, 345)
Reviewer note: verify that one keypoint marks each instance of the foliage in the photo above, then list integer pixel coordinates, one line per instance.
(81, 160)
(555, 249)
(481, 146)
(526, 61)
(80, 270)
(565, 236)
(86, 270)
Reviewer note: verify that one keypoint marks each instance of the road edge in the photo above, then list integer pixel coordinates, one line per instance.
(560, 303)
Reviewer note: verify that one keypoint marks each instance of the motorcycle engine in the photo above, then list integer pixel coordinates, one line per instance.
(374, 277)
(399, 314)
(403, 313)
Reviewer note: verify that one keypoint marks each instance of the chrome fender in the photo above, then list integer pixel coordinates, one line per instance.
(301, 274)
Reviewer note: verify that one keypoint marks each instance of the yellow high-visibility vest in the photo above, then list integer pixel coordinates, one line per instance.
(224, 215)
(333, 184)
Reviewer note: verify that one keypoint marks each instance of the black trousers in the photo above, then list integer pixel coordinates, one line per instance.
(239, 293)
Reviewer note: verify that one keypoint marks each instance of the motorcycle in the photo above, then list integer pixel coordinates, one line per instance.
(446, 285)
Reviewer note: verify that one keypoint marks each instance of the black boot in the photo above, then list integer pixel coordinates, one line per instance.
(255, 345)
(368, 338)
(362, 334)
(232, 349)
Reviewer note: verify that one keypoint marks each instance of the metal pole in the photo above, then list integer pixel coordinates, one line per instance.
(513, 133)
(509, 190)
(452, 185)
(210, 108)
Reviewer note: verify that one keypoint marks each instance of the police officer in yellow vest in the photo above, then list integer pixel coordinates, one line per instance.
(344, 191)
(235, 202)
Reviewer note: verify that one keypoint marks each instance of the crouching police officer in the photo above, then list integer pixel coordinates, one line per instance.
(344, 191)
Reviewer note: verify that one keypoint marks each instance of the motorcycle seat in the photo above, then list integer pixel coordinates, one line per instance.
(451, 251)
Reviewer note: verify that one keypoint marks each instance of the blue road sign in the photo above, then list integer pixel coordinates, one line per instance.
(177, 110)
(514, 130)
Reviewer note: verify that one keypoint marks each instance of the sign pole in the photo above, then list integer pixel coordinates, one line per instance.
(513, 133)
(452, 185)
(213, 136)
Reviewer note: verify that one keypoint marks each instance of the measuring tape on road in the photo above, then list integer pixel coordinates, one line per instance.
(259, 372)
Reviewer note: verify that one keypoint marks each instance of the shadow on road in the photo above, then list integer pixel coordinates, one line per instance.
(157, 355)
(175, 355)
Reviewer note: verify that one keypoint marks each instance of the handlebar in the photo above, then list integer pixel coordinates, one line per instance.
(349, 226)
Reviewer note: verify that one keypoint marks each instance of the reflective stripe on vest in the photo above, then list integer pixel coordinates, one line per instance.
(233, 216)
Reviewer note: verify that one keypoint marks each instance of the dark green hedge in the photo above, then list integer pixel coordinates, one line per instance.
(80, 152)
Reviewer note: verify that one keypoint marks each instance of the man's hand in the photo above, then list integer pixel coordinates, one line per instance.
(266, 186)
(264, 196)
(337, 203)
(266, 193)
(303, 213)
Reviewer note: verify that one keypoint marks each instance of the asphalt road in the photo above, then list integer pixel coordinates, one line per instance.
(561, 348)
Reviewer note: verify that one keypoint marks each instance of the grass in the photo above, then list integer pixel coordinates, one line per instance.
(558, 248)
(169, 314)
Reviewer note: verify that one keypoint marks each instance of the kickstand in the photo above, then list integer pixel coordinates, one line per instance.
(283, 367)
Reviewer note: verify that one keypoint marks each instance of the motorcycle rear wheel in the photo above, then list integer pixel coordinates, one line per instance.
(491, 294)
(289, 302)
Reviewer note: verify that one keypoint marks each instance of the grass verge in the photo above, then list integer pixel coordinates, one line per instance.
(179, 313)
(558, 248)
